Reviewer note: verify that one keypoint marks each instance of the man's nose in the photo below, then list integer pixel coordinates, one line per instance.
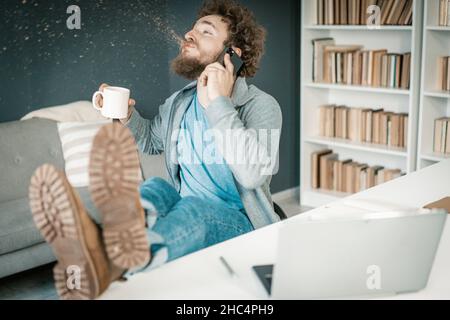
(189, 36)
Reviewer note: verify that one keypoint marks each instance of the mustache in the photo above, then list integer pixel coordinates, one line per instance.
(186, 42)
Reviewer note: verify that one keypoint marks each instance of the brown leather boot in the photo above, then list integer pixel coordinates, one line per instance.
(114, 178)
(83, 270)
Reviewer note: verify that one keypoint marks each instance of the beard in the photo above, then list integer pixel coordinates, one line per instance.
(187, 67)
(190, 68)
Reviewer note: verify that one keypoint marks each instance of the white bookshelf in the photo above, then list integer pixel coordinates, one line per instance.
(357, 88)
(356, 27)
(433, 103)
(397, 39)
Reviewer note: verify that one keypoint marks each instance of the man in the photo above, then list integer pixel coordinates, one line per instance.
(206, 201)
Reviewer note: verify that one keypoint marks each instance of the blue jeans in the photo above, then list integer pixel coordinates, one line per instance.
(178, 226)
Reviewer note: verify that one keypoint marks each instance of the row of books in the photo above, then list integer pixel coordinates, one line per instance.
(330, 173)
(442, 135)
(444, 12)
(349, 64)
(364, 125)
(357, 12)
(444, 73)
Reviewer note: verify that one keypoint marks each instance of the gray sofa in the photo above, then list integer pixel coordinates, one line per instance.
(24, 146)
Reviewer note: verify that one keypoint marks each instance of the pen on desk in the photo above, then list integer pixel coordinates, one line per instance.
(228, 267)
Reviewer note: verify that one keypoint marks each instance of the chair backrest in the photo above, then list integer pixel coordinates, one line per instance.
(279, 211)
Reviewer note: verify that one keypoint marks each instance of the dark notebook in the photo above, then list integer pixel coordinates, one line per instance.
(264, 274)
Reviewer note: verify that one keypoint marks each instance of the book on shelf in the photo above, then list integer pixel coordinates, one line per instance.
(326, 170)
(441, 135)
(351, 65)
(407, 15)
(318, 49)
(333, 62)
(315, 163)
(443, 82)
(372, 175)
(444, 13)
(357, 12)
(330, 173)
(387, 175)
(364, 125)
(405, 76)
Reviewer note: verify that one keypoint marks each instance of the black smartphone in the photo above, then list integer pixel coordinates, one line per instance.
(235, 60)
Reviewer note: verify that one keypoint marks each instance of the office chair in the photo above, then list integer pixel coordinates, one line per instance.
(279, 211)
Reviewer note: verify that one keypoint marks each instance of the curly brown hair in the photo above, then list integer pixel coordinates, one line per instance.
(244, 32)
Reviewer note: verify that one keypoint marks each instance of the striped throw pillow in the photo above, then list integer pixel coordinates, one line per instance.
(76, 140)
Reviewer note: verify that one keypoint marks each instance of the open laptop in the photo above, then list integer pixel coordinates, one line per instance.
(380, 253)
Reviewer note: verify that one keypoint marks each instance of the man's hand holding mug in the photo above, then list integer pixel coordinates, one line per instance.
(113, 102)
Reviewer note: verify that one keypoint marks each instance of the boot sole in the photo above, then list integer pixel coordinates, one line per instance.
(56, 212)
(114, 178)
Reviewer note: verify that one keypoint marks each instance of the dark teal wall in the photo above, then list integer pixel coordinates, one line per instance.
(43, 63)
(128, 43)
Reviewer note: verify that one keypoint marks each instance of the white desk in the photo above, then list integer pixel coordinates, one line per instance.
(202, 276)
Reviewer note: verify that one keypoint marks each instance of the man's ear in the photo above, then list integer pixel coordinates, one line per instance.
(238, 51)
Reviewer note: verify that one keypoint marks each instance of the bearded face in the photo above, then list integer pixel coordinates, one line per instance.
(201, 47)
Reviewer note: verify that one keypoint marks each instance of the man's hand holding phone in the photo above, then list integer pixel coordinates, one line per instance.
(216, 81)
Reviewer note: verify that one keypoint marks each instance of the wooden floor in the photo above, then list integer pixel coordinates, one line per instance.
(37, 284)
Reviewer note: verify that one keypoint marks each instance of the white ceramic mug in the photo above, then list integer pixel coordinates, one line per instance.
(115, 102)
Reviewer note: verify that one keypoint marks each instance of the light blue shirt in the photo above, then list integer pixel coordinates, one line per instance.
(203, 171)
